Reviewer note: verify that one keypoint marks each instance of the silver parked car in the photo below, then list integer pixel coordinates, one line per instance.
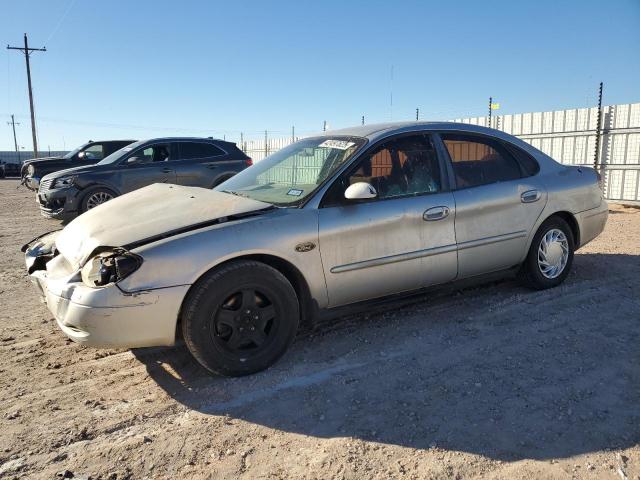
(329, 221)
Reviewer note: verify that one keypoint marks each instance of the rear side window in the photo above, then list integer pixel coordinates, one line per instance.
(480, 161)
(190, 150)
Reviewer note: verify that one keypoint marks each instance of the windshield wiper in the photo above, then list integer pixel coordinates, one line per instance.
(237, 194)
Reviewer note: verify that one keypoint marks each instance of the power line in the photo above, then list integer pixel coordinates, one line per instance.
(27, 52)
(59, 24)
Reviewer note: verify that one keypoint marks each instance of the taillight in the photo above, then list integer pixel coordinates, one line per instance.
(249, 162)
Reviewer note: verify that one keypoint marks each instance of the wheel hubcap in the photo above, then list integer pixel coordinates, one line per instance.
(98, 198)
(553, 253)
(245, 321)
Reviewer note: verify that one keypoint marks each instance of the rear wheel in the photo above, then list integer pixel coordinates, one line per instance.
(94, 197)
(239, 319)
(550, 256)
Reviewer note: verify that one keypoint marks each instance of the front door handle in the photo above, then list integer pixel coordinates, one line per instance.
(167, 170)
(435, 213)
(530, 196)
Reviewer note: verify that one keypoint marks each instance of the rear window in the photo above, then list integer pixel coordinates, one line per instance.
(189, 150)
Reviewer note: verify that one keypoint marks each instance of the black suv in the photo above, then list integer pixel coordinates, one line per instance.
(197, 162)
(88, 154)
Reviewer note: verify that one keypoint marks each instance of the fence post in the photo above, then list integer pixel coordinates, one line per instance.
(596, 155)
(266, 148)
(490, 102)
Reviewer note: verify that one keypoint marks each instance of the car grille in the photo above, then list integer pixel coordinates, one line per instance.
(45, 184)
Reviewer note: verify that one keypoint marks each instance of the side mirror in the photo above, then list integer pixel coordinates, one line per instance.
(360, 191)
(134, 160)
(82, 155)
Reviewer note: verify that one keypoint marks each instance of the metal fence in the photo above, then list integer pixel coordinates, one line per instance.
(13, 157)
(569, 136)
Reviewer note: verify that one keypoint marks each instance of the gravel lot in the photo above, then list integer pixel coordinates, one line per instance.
(491, 382)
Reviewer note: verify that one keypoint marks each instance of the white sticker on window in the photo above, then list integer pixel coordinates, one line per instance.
(295, 192)
(339, 144)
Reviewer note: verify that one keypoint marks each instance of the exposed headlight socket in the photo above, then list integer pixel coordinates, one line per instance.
(109, 267)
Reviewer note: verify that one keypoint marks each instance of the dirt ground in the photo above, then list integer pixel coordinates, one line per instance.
(489, 382)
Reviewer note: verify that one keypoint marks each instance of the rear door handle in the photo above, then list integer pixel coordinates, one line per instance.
(435, 213)
(167, 170)
(530, 196)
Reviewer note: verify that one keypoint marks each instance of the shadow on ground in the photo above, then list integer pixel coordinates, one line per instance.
(498, 371)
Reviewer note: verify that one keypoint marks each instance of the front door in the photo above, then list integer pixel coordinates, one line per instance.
(147, 165)
(497, 204)
(403, 239)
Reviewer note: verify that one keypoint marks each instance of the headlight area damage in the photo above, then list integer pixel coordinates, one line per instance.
(106, 265)
(109, 266)
(87, 303)
(39, 251)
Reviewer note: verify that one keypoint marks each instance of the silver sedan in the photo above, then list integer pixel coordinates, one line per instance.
(333, 220)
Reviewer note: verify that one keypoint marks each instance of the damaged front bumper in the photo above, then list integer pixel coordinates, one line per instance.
(60, 204)
(105, 316)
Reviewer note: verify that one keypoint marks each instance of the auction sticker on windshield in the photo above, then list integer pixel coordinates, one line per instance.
(339, 144)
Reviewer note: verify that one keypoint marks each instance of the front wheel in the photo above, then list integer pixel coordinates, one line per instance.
(550, 256)
(240, 318)
(95, 196)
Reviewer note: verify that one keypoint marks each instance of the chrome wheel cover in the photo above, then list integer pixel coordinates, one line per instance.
(553, 253)
(98, 198)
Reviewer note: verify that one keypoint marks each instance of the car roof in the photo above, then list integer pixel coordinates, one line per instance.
(185, 139)
(376, 130)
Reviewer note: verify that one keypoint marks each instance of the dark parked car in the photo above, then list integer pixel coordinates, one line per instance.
(196, 162)
(9, 169)
(88, 154)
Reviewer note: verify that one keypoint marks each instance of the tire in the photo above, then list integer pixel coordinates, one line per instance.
(220, 181)
(539, 272)
(240, 318)
(91, 196)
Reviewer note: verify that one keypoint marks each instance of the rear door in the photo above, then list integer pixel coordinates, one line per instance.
(497, 202)
(147, 165)
(402, 240)
(200, 164)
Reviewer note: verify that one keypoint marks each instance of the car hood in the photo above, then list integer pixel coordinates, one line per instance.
(148, 214)
(73, 171)
(41, 159)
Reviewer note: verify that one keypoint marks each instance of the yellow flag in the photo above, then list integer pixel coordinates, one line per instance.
(495, 106)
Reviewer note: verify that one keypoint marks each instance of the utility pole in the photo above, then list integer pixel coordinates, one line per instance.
(417, 114)
(293, 133)
(15, 140)
(27, 52)
(362, 119)
(324, 126)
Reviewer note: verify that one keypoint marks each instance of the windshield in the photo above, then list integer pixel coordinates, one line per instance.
(118, 154)
(290, 175)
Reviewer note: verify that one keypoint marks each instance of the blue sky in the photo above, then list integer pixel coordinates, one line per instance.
(137, 69)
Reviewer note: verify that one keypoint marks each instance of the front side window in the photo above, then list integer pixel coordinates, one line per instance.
(479, 161)
(156, 153)
(192, 150)
(94, 152)
(400, 167)
(290, 175)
